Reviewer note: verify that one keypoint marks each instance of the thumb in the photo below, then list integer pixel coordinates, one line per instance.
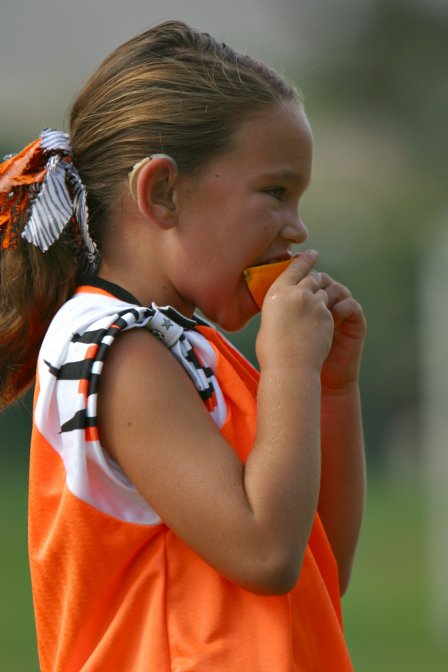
(299, 267)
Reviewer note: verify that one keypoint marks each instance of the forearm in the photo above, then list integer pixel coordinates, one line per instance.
(342, 492)
(282, 474)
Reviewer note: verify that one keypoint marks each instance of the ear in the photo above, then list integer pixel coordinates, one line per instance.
(152, 183)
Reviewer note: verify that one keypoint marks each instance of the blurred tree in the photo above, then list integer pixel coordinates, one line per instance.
(390, 78)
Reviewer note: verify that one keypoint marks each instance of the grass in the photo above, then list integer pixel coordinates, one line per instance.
(385, 609)
(17, 634)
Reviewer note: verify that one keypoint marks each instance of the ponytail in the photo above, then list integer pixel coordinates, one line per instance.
(44, 245)
(33, 286)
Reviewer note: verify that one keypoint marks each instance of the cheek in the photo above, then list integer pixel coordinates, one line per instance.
(199, 280)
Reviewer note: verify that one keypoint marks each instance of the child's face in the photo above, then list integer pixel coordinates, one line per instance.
(242, 210)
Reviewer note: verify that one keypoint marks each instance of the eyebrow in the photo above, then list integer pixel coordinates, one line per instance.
(288, 176)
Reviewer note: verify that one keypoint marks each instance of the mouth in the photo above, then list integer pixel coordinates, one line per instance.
(274, 260)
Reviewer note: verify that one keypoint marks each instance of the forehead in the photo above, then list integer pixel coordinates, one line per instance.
(277, 139)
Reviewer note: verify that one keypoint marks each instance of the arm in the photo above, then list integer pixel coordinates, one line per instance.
(341, 499)
(237, 517)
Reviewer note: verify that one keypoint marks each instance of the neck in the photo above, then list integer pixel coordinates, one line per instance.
(147, 287)
(134, 254)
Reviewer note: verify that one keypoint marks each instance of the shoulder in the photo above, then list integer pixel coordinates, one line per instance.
(142, 382)
(140, 354)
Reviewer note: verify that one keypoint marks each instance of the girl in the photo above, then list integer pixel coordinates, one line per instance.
(186, 512)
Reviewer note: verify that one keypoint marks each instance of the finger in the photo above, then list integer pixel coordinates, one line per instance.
(327, 280)
(311, 282)
(299, 267)
(322, 294)
(336, 293)
(315, 274)
(348, 310)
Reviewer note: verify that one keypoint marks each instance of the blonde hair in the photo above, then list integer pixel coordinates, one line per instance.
(171, 89)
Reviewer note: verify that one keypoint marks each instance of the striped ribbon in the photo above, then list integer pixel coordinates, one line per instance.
(61, 197)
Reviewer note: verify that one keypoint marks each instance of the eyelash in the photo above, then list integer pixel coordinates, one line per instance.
(276, 192)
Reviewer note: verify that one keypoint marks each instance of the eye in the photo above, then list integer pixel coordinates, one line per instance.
(276, 192)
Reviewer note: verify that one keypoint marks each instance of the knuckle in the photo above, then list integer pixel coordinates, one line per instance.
(342, 289)
(316, 276)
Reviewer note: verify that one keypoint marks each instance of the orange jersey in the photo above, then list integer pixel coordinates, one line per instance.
(114, 589)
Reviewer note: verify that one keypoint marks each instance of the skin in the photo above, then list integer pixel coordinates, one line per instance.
(250, 521)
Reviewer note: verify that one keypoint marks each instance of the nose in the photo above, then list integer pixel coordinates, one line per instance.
(295, 230)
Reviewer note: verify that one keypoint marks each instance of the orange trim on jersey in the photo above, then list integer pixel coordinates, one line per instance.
(211, 403)
(92, 434)
(87, 289)
(83, 387)
(91, 351)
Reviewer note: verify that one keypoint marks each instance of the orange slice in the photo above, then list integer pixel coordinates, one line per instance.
(260, 278)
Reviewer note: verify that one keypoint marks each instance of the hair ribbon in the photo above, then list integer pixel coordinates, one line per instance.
(43, 181)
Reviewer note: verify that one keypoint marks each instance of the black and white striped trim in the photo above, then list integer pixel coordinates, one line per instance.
(156, 320)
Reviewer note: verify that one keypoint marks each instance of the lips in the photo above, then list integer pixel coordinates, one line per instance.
(274, 260)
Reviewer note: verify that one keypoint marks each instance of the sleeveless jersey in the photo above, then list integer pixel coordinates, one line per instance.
(114, 589)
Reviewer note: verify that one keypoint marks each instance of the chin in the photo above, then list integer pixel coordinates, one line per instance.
(235, 320)
(233, 326)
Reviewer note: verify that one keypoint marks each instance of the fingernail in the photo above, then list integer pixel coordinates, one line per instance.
(314, 254)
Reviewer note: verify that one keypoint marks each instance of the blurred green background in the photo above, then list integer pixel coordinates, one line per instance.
(374, 74)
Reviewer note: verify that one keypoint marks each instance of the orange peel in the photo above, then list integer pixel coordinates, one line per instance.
(260, 278)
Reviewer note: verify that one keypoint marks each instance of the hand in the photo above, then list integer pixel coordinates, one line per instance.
(341, 368)
(296, 325)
